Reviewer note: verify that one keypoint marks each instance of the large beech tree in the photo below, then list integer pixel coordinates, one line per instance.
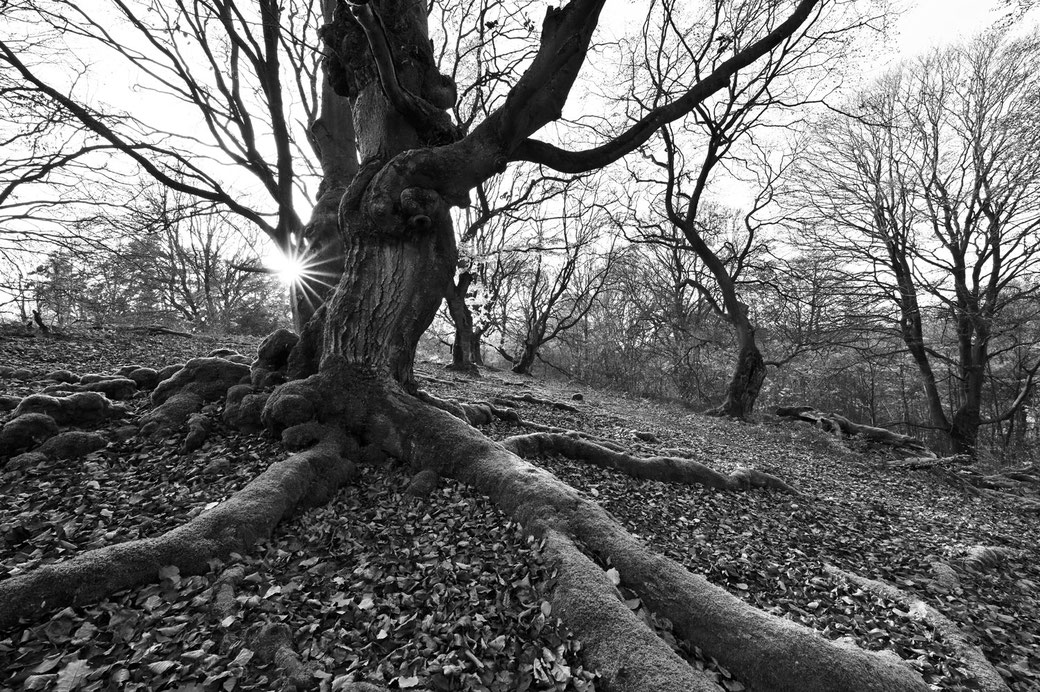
(352, 373)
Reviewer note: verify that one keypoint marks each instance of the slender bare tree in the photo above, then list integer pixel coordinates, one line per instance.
(722, 133)
(243, 76)
(930, 197)
(561, 280)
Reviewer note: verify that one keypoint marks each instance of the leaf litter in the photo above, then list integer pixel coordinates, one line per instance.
(447, 594)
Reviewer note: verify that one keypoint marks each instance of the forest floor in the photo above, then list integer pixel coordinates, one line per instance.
(446, 593)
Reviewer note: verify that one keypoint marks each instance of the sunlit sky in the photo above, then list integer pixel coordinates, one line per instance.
(921, 25)
(928, 23)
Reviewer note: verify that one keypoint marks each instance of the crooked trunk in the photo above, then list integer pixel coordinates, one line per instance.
(522, 364)
(391, 288)
(750, 370)
(749, 374)
(398, 245)
(462, 356)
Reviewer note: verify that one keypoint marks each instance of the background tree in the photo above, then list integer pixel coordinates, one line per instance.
(232, 85)
(489, 256)
(184, 262)
(929, 198)
(561, 279)
(680, 165)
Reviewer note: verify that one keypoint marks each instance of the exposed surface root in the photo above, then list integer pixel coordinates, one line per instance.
(305, 478)
(985, 675)
(915, 463)
(765, 652)
(224, 591)
(475, 413)
(172, 414)
(1019, 486)
(667, 469)
(273, 642)
(529, 398)
(484, 412)
(199, 427)
(423, 483)
(840, 425)
(626, 654)
(985, 556)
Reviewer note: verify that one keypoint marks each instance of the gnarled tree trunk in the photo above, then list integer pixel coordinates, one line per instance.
(522, 363)
(748, 374)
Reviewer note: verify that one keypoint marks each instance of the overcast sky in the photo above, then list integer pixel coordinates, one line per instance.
(932, 22)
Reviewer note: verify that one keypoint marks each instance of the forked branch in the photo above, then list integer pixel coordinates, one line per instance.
(421, 114)
(581, 161)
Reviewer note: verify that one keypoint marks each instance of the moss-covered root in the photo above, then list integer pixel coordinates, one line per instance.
(623, 650)
(763, 651)
(303, 479)
(475, 413)
(668, 469)
(273, 642)
(986, 676)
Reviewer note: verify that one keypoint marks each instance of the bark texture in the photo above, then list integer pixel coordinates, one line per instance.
(631, 657)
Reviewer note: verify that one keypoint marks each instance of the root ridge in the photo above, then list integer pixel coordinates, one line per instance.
(303, 479)
(668, 469)
(986, 676)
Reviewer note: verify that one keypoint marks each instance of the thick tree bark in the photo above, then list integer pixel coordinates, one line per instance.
(398, 242)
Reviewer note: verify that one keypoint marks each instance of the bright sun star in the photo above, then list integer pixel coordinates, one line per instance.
(290, 270)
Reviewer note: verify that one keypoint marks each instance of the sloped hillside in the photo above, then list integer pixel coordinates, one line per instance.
(445, 593)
